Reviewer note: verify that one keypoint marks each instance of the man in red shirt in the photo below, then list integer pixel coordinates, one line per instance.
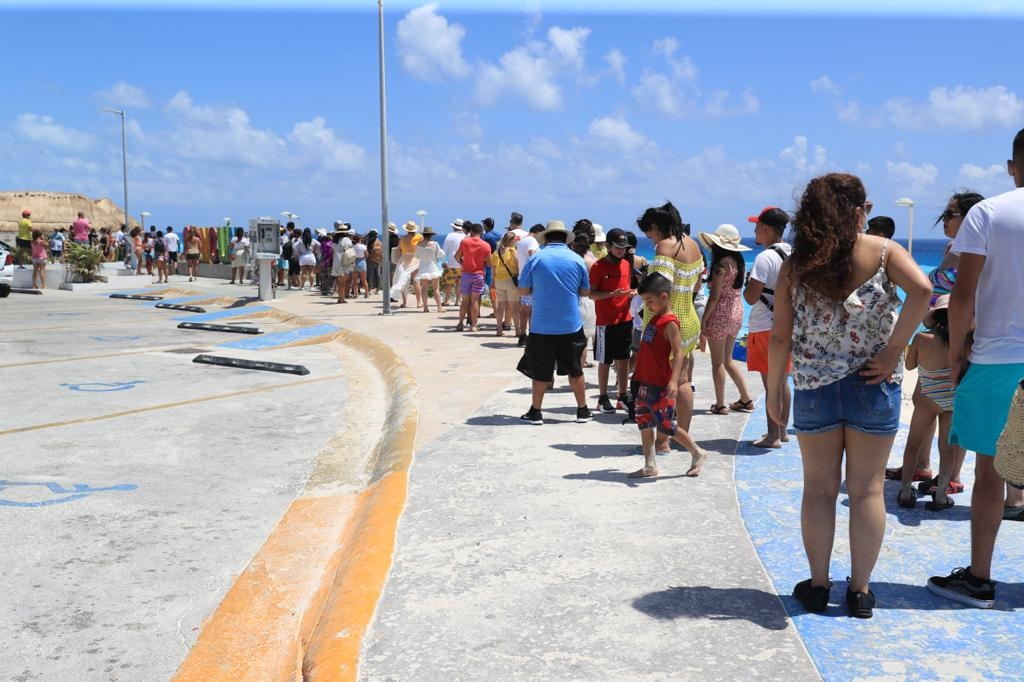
(473, 254)
(611, 293)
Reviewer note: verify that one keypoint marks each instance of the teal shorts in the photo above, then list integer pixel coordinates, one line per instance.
(982, 406)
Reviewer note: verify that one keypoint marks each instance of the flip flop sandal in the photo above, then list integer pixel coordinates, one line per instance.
(742, 406)
(719, 409)
(896, 473)
(938, 506)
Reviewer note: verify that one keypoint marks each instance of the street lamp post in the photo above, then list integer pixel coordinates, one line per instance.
(124, 161)
(421, 213)
(908, 203)
(386, 251)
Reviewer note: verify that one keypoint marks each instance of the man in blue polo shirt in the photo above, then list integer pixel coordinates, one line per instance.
(556, 278)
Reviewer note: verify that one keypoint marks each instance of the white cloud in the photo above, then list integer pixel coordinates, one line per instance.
(45, 131)
(683, 68)
(987, 181)
(618, 132)
(616, 64)
(658, 91)
(317, 143)
(802, 159)
(221, 133)
(961, 108)
(910, 179)
(224, 133)
(126, 95)
(568, 44)
(531, 71)
(677, 94)
(824, 84)
(430, 47)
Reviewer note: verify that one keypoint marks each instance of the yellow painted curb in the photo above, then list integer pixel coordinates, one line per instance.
(301, 607)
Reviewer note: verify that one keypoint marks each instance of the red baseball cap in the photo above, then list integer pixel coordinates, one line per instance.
(771, 215)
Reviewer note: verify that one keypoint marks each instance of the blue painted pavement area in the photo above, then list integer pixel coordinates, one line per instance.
(914, 634)
(282, 338)
(222, 314)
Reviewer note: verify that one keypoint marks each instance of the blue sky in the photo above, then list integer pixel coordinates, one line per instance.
(541, 107)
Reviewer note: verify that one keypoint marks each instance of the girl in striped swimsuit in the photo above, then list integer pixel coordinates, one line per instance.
(929, 354)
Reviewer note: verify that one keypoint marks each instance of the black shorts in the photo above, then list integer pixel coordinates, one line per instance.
(293, 267)
(544, 351)
(612, 342)
(172, 256)
(23, 243)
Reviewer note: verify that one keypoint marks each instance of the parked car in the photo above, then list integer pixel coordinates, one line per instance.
(6, 261)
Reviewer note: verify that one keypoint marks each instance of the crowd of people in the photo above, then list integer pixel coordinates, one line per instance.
(826, 319)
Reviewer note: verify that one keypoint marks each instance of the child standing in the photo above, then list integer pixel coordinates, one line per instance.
(657, 371)
(39, 248)
(929, 353)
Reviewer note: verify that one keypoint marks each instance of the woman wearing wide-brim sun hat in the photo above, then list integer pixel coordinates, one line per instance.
(723, 314)
(408, 265)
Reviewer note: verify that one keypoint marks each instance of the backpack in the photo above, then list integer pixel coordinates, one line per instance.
(348, 257)
(159, 246)
(286, 250)
(770, 305)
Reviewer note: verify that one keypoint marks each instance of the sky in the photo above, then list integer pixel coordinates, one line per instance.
(558, 110)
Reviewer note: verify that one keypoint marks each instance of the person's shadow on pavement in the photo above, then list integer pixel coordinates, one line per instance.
(715, 603)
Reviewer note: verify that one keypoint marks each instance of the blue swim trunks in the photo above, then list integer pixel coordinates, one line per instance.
(982, 406)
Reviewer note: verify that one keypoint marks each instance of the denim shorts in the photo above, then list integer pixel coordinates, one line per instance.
(850, 402)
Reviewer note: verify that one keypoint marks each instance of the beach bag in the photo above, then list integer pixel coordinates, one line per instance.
(739, 350)
(1009, 462)
(348, 258)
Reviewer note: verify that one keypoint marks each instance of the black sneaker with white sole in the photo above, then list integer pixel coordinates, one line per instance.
(604, 404)
(962, 586)
(533, 416)
(583, 414)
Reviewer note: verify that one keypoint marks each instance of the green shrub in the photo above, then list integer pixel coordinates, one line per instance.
(83, 260)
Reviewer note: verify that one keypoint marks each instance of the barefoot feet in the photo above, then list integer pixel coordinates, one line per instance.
(696, 462)
(646, 472)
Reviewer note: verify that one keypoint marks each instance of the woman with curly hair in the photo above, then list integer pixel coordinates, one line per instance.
(836, 312)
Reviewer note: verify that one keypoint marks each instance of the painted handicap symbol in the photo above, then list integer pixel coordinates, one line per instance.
(115, 338)
(47, 494)
(97, 387)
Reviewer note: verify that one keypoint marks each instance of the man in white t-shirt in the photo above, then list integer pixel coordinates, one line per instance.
(525, 248)
(769, 226)
(171, 243)
(989, 284)
(452, 275)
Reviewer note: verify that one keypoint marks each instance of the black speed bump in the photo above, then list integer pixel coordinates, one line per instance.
(185, 308)
(137, 297)
(251, 364)
(15, 290)
(220, 328)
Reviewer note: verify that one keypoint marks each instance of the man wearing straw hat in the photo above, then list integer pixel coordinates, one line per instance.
(989, 284)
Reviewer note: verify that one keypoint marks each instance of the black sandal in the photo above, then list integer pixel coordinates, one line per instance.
(719, 409)
(905, 502)
(742, 406)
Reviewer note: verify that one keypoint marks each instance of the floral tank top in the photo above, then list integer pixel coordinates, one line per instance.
(684, 278)
(833, 339)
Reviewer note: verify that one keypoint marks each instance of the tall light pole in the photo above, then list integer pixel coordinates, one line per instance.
(421, 213)
(908, 203)
(386, 251)
(124, 161)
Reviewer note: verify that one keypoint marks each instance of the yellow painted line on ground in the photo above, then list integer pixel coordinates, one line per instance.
(300, 609)
(165, 406)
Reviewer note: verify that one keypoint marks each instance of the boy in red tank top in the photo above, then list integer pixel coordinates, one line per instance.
(657, 371)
